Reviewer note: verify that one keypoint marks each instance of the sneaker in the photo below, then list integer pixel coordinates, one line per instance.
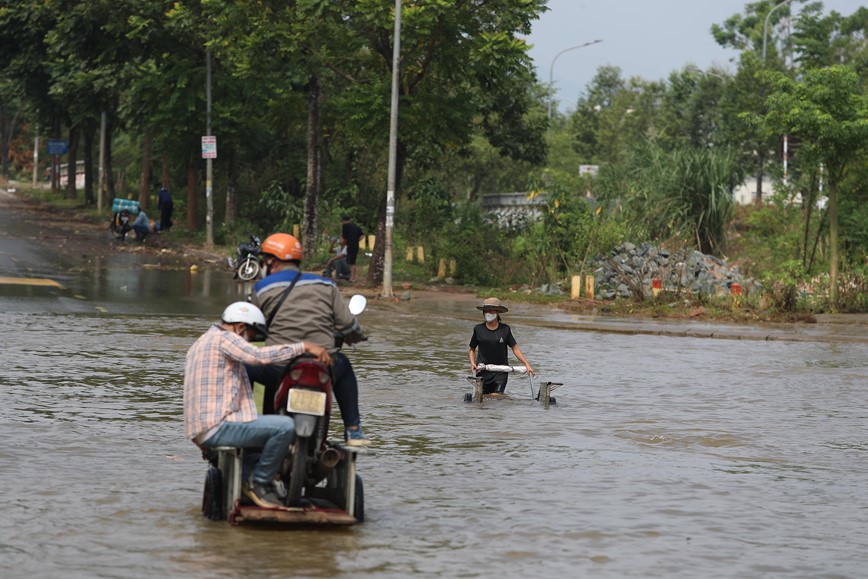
(356, 437)
(262, 495)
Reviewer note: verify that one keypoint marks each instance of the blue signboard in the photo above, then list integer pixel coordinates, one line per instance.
(57, 147)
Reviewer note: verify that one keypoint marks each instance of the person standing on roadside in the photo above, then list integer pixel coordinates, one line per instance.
(165, 207)
(491, 339)
(353, 234)
(219, 409)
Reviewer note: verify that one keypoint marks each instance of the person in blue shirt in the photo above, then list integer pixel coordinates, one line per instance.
(142, 226)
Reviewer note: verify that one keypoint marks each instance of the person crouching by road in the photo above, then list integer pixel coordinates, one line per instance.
(219, 409)
(491, 338)
(142, 226)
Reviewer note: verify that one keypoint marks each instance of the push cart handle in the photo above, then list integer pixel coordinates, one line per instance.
(500, 368)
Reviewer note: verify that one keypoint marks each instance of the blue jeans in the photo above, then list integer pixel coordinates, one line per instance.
(272, 433)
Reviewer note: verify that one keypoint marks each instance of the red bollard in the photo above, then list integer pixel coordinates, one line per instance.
(656, 286)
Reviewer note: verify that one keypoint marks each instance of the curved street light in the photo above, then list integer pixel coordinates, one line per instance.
(552, 67)
(765, 37)
(766, 26)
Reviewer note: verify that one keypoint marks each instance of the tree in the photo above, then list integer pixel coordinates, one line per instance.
(827, 110)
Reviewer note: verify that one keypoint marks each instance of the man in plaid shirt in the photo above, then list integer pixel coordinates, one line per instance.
(219, 409)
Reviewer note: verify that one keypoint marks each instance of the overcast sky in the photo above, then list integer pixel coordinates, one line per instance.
(645, 38)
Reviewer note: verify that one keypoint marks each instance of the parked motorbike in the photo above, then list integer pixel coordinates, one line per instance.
(305, 393)
(123, 211)
(247, 266)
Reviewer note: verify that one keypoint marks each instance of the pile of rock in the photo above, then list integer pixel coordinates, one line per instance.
(630, 271)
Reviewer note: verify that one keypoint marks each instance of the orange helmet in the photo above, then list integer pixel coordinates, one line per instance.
(283, 246)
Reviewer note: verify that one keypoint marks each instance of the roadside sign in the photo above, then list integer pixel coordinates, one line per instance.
(209, 147)
(57, 147)
(588, 169)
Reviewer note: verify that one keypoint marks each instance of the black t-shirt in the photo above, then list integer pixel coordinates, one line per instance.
(492, 344)
(352, 233)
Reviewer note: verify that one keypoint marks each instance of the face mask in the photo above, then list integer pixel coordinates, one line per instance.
(490, 317)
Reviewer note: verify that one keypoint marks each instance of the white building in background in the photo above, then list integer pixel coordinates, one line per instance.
(745, 194)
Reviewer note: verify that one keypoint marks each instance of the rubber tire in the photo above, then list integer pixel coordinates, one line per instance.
(552, 401)
(359, 502)
(468, 397)
(212, 497)
(248, 270)
(299, 471)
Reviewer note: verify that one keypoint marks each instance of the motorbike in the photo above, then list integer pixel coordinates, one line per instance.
(305, 394)
(123, 211)
(318, 476)
(246, 265)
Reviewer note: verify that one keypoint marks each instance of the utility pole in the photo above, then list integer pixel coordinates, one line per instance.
(209, 197)
(393, 150)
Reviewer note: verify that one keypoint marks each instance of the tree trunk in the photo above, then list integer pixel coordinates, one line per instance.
(88, 132)
(145, 183)
(165, 179)
(108, 170)
(72, 162)
(55, 159)
(192, 194)
(833, 239)
(761, 158)
(7, 133)
(311, 195)
(232, 185)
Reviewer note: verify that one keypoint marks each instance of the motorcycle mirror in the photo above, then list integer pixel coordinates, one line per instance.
(357, 304)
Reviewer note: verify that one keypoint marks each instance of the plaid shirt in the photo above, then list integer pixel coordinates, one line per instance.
(216, 386)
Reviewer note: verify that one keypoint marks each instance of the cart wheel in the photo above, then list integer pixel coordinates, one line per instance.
(212, 497)
(359, 502)
(468, 397)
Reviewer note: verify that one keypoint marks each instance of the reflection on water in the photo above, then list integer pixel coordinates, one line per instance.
(668, 457)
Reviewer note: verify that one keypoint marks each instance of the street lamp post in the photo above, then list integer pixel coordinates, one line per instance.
(765, 37)
(552, 67)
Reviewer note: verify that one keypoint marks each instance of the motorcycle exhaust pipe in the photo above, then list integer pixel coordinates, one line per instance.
(328, 460)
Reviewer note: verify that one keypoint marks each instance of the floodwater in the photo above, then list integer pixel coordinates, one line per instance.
(664, 456)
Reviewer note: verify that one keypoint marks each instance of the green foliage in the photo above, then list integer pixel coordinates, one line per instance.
(482, 251)
(684, 192)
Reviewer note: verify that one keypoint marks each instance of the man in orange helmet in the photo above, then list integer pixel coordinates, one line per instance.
(306, 307)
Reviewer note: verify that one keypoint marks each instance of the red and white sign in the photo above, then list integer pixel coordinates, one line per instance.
(209, 147)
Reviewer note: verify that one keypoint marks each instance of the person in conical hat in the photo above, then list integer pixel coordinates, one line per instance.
(488, 345)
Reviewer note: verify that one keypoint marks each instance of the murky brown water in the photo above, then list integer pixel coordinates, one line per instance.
(665, 457)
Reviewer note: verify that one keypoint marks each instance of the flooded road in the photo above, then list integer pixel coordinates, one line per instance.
(664, 457)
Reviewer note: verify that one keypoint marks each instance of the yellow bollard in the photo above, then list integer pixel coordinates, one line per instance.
(452, 266)
(589, 287)
(410, 254)
(575, 287)
(441, 271)
(295, 230)
(371, 240)
(420, 254)
(362, 243)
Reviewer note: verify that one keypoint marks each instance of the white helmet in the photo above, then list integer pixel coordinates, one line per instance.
(249, 314)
